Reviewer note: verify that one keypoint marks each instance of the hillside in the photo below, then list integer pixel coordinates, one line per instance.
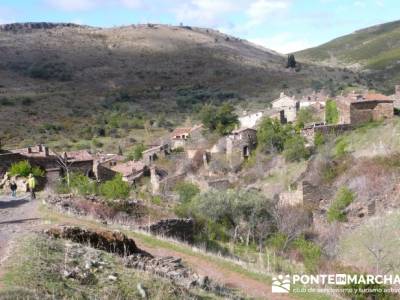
(375, 50)
(58, 77)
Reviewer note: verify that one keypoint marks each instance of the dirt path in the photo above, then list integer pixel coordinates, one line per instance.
(17, 216)
(204, 267)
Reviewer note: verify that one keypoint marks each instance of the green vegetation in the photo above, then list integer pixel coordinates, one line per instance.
(115, 189)
(24, 168)
(295, 149)
(331, 112)
(36, 272)
(274, 137)
(50, 70)
(82, 185)
(343, 198)
(222, 119)
(137, 152)
(341, 147)
(310, 252)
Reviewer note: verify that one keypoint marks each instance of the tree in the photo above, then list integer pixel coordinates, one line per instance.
(272, 135)
(137, 152)
(295, 149)
(291, 61)
(115, 188)
(222, 119)
(331, 112)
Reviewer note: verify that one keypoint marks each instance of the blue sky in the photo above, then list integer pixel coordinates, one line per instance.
(281, 25)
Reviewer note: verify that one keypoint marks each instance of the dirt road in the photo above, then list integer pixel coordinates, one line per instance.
(17, 216)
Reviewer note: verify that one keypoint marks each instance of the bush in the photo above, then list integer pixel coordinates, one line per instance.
(272, 135)
(137, 152)
(222, 120)
(295, 149)
(344, 198)
(24, 168)
(331, 112)
(186, 191)
(311, 253)
(341, 148)
(319, 139)
(50, 70)
(82, 185)
(115, 189)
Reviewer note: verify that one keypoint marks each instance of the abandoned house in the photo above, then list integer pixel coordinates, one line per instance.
(182, 135)
(131, 171)
(287, 106)
(155, 152)
(316, 100)
(360, 108)
(250, 120)
(241, 142)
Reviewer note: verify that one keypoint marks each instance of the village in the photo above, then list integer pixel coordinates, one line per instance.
(192, 153)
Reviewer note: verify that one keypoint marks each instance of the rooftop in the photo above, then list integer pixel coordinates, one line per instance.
(129, 168)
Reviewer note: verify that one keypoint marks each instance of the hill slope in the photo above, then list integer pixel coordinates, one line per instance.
(64, 74)
(375, 50)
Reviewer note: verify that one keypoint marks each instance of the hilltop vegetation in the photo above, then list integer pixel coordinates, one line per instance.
(57, 78)
(375, 50)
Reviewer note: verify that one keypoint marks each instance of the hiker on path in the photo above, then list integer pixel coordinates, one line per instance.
(32, 186)
(13, 188)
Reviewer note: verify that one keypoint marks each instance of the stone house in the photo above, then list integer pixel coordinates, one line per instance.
(360, 108)
(131, 171)
(287, 106)
(182, 135)
(250, 120)
(316, 100)
(396, 97)
(153, 153)
(241, 142)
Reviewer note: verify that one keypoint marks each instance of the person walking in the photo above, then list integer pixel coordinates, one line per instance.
(13, 188)
(32, 186)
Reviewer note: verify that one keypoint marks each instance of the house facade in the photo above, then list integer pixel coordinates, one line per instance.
(360, 108)
(287, 106)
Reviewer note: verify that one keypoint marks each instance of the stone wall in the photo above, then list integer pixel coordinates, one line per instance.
(181, 229)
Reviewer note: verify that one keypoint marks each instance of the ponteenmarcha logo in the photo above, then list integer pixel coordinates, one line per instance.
(281, 284)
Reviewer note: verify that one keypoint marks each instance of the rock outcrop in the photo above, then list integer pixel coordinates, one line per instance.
(110, 241)
(35, 25)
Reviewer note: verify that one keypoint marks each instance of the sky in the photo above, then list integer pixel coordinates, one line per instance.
(282, 25)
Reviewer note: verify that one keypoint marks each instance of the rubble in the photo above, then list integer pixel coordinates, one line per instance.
(110, 241)
(181, 229)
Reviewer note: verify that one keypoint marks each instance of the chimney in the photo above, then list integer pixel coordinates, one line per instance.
(40, 147)
(397, 90)
(46, 151)
(29, 150)
(65, 156)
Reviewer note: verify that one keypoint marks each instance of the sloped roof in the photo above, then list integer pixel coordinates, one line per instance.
(129, 168)
(79, 155)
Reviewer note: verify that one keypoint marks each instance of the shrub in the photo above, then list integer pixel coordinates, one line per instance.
(272, 135)
(24, 168)
(344, 198)
(319, 139)
(311, 253)
(137, 152)
(115, 188)
(186, 191)
(331, 112)
(341, 147)
(222, 120)
(82, 185)
(50, 70)
(295, 149)
(278, 241)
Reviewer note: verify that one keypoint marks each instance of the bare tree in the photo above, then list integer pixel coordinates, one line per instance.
(63, 162)
(292, 221)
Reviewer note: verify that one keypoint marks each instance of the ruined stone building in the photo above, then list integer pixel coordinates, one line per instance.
(182, 136)
(250, 120)
(396, 97)
(360, 108)
(240, 143)
(287, 107)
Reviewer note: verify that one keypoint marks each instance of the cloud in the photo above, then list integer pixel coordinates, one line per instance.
(205, 12)
(283, 43)
(260, 10)
(73, 5)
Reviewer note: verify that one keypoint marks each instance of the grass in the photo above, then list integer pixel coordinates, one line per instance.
(373, 139)
(249, 270)
(37, 270)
